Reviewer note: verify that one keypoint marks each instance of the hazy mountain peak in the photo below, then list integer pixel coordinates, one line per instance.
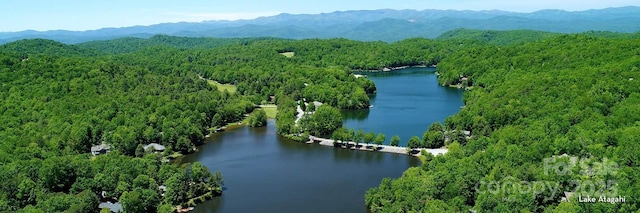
(383, 24)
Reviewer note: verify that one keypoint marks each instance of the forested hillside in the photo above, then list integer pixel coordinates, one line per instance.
(132, 44)
(56, 106)
(556, 112)
(511, 37)
(497, 37)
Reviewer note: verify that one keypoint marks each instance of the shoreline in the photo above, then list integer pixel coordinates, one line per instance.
(376, 148)
(389, 69)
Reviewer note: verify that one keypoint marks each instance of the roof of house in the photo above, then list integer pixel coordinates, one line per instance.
(103, 146)
(114, 207)
(155, 146)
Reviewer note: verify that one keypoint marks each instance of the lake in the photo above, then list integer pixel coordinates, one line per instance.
(406, 103)
(267, 173)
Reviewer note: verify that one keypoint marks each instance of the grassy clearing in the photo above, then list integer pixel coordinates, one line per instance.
(234, 125)
(271, 110)
(221, 87)
(288, 54)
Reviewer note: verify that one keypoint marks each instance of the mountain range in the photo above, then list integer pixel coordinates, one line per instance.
(365, 25)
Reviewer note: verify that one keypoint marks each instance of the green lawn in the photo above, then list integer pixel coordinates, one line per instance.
(288, 54)
(221, 87)
(271, 110)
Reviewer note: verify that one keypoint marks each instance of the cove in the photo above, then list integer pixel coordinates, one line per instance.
(407, 102)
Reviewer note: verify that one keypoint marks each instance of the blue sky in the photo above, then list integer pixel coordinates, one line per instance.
(18, 15)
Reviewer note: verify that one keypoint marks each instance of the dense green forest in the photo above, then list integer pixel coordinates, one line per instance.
(58, 100)
(497, 37)
(529, 99)
(568, 101)
(130, 44)
(55, 107)
(513, 37)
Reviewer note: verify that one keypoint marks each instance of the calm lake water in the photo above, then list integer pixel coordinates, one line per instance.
(406, 103)
(267, 173)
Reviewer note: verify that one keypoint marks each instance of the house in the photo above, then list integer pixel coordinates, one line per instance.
(154, 147)
(100, 149)
(113, 207)
(162, 188)
(463, 78)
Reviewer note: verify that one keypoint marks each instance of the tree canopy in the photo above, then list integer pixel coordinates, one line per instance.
(554, 99)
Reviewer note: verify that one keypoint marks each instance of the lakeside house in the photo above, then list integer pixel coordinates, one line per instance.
(100, 149)
(113, 207)
(463, 78)
(154, 147)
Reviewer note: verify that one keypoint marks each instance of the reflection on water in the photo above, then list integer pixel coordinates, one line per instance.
(359, 115)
